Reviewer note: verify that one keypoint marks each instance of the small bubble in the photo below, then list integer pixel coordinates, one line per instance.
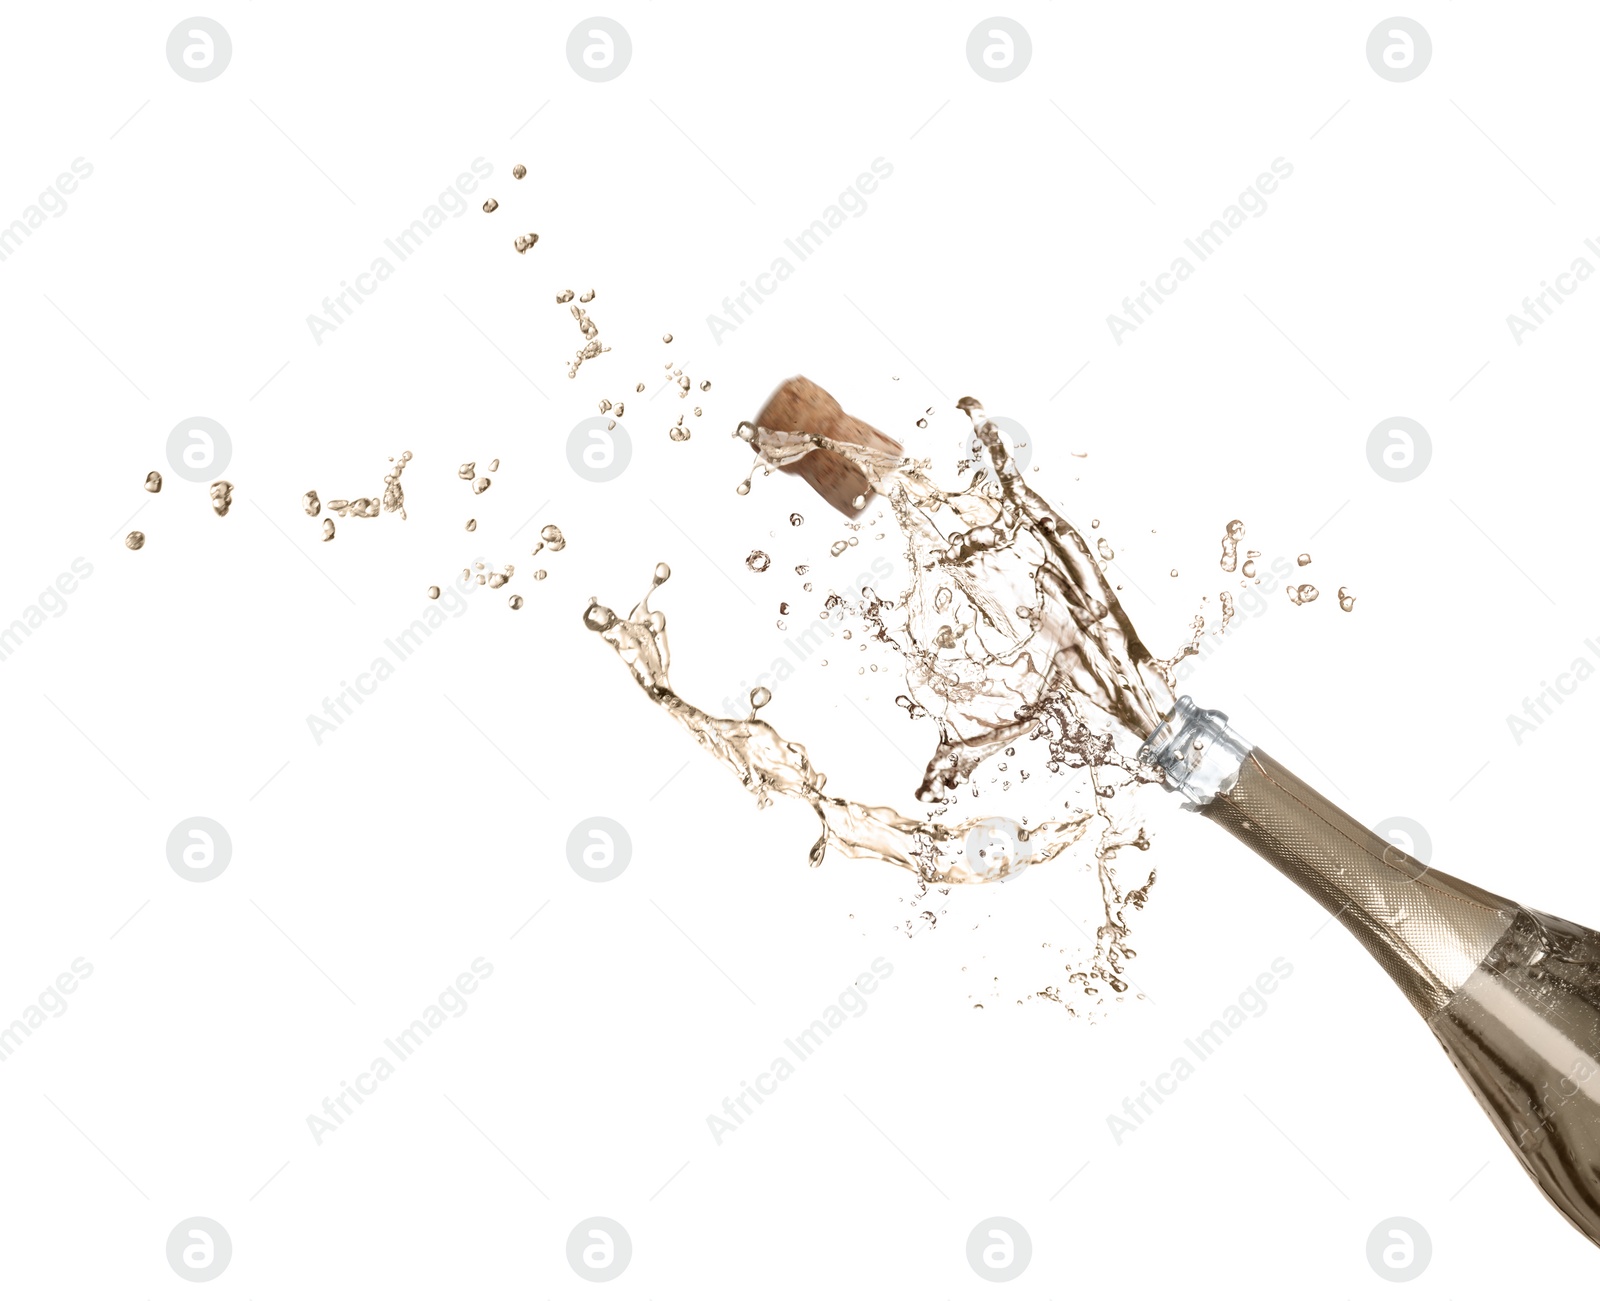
(922, 424)
(134, 540)
(759, 698)
(472, 526)
(638, 388)
(839, 548)
(1172, 573)
(757, 561)
(539, 575)
(705, 386)
(433, 593)
(1248, 569)
(666, 338)
(518, 172)
(1304, 558)
(783, 607)
(802, 569)
(515, 603)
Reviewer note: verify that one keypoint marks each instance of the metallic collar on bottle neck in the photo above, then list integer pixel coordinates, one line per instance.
(1196, 751)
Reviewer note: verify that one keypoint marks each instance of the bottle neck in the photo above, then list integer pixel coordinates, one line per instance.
(1428, 930)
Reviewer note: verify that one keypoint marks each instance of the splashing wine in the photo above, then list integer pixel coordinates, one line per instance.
(1009, 629)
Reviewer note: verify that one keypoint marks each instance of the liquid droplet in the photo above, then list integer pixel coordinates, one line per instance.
(152, 481)
(757, 562)
(1347, 600)
(134, 540)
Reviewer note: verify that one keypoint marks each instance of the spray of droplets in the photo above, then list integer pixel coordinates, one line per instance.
(1008, 633)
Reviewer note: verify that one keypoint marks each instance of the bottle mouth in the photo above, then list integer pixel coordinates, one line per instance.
(1196, 752)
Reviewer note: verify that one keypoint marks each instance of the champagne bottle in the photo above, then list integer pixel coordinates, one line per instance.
(1512, 994)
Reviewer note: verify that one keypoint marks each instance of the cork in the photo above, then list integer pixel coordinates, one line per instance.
(799, 406)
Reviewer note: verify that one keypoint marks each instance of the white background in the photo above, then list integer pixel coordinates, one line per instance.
(369, 870)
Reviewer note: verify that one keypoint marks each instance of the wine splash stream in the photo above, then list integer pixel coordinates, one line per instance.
(1010, 632)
